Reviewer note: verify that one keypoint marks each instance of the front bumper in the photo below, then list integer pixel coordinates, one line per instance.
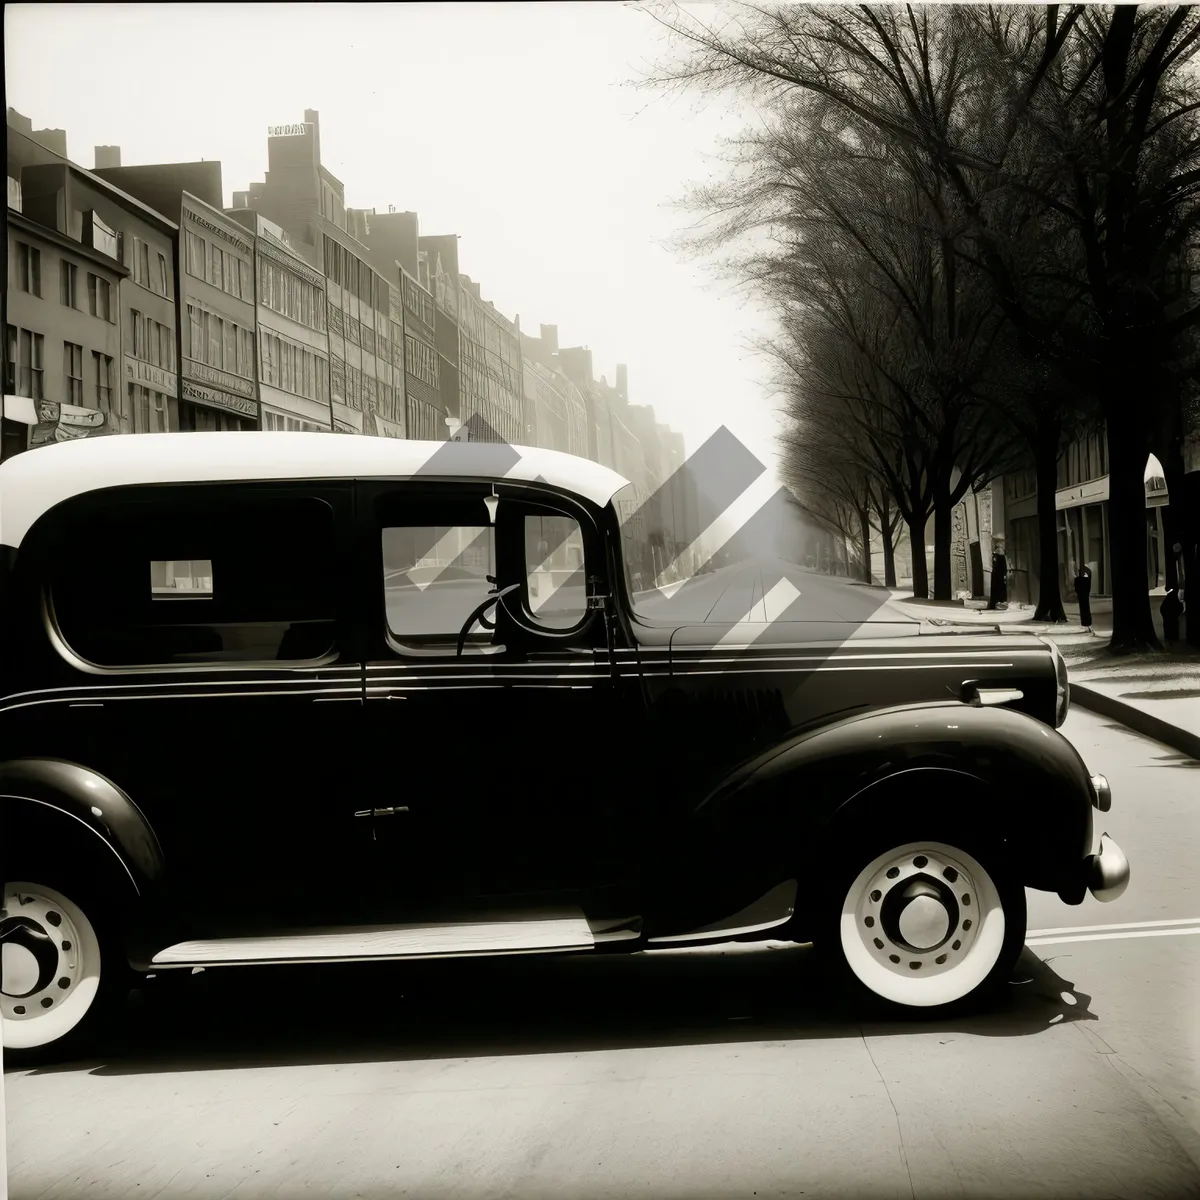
(1107, 872)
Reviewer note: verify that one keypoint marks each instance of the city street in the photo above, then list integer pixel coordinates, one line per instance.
(763, 590)
(693, 1074)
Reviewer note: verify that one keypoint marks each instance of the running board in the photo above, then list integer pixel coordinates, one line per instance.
(541, 935)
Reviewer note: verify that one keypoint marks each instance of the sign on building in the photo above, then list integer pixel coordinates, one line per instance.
(287, 130)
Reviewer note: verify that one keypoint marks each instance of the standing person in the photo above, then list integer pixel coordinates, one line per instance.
(1083, 589)
(999, 597)
(1171, 608)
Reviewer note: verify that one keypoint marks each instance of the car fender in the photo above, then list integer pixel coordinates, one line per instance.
(49, 785)
(806, 799)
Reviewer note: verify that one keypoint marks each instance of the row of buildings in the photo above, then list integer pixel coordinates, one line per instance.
(138, 302)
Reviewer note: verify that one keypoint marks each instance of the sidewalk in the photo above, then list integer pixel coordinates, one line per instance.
(1157, 695)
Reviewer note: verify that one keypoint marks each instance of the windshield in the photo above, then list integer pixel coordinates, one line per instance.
(657, 559)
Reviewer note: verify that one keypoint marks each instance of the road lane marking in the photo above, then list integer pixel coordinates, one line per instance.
(1105, 937)
(1038, 933)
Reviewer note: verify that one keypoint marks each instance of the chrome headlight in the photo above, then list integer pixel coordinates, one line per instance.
(1062, 687)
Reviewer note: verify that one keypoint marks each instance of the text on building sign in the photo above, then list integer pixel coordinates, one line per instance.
(286, 130)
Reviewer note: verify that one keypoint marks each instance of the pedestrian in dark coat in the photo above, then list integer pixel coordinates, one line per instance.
(999, 597)
(1171, 609)
(1083, 590)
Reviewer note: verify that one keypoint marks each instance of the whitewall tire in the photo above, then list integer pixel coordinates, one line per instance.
(52, 974)
(925, 925)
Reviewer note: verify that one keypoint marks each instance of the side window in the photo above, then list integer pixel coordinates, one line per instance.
(433, 576)
(556, 582)
(198, 577)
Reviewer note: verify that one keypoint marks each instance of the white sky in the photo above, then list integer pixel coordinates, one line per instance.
(506, 123)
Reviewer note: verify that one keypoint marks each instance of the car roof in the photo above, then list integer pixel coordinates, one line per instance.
(35, 481)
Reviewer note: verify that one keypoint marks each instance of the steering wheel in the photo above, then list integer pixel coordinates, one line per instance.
(477, 615)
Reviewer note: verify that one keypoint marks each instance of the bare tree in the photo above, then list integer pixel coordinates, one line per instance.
(1085, 109)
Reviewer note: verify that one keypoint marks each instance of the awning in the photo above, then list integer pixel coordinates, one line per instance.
(20, 408)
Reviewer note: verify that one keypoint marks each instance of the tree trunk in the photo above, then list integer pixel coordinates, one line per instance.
(943, 584)
(920, 569)
(889, 545)
(1128, 446)
(864, 521)
(1049, 599)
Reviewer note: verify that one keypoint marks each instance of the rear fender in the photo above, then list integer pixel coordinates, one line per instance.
(35, 791)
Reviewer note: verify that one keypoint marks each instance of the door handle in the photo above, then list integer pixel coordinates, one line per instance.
(382, 812)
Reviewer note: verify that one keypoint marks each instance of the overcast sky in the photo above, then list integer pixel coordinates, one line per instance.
(510, 124)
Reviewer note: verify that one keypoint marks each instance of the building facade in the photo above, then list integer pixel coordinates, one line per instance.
(1081, 504)
(213, 259)
(555, 410)
(88, 224)
(291, 343)
(305, 200)
(491, 395)
(393, 242)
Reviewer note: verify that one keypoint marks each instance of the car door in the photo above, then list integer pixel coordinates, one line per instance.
(492, 754)
(205, 638)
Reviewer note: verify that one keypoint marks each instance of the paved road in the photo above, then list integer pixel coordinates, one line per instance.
(754, 592)
(675, 1075)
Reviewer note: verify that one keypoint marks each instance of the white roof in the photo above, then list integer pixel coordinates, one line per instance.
(34, 482)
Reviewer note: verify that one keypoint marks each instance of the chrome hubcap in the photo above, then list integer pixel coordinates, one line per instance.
(40, 960)
(917, 913)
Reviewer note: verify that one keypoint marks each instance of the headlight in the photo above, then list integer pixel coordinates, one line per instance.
(1062, 687)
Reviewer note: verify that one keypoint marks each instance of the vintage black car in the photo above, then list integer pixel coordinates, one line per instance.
(296, 698)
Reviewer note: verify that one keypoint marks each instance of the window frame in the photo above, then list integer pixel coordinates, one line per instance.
(46, 540)
(518, 632)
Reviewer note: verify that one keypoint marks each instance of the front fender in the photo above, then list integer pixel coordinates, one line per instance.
(809, 796)
(44, 786)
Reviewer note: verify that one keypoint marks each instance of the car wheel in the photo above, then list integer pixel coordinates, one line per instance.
(58, 979)
(928, 926)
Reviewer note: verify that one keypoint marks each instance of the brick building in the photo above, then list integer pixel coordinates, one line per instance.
(214, 262)
(393, 240)
(304, 199)
(489, 367)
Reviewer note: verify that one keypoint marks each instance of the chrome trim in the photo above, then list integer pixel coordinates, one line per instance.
(398, 941)
(999, 695)
(1101, 793)
(1108, 871)
(775, 908)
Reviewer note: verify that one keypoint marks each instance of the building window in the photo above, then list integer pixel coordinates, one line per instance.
(134, 336)
(163, 277)
(229, 339)
(214, 340)
(166, 347)
(69, 273)
(215, 262)
(246, 353)
(196, 347)
(194, 248)
(104, 366)
(244, 276)
(29, 269)
(231, 283)
(35, 347)
(73, 370)
(100, 298)
(10, 360)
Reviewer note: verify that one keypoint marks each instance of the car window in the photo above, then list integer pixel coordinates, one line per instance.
(555, 576)
(198, 576)
(433, 576)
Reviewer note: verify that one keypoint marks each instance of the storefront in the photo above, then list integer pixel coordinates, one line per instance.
(206, 408)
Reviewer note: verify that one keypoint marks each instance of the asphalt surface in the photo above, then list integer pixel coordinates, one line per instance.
(697, 1074)
(770, 590)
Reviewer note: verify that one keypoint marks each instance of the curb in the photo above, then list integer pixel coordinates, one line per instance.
(1138, 720)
